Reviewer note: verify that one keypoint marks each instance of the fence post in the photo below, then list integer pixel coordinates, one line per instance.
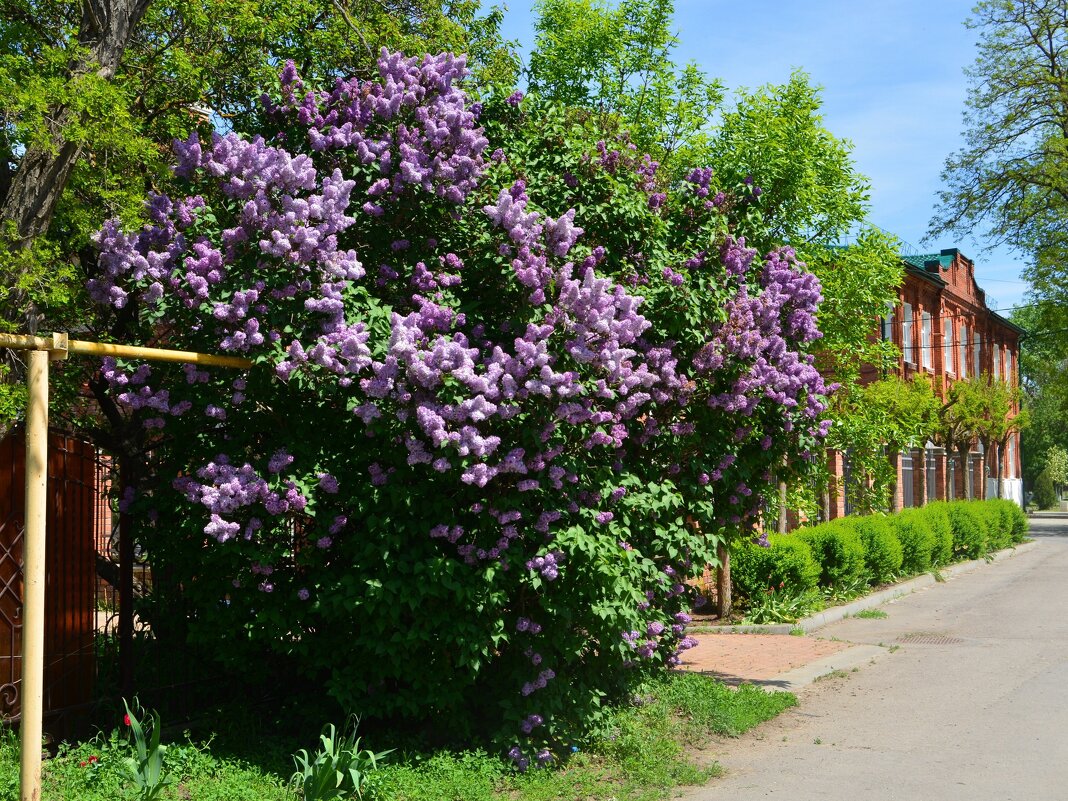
(33, 573)
(126, 553)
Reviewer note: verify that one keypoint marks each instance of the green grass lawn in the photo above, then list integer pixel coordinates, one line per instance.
(641, 753)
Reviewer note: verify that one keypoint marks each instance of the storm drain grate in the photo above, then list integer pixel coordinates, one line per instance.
(929, 639)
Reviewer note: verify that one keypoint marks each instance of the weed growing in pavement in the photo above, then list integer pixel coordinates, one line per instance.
(871, 614)
(834, 674)
(797, 631)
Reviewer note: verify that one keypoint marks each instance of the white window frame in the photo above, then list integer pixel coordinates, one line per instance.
(947, 345)
(925, 340)
(886, 325)
(908, 351)
(997, 362)
(1008, 367)
(962, 348)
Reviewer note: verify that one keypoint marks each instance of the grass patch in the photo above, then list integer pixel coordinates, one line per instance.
(641, 753)
(93, 770)
(871, 614)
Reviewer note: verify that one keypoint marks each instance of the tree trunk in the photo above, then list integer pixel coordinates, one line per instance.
(895, 463)
(43, 171)
(965, 484)
(781, 528)
(723, 582)
(946, 481)
(1001, 490)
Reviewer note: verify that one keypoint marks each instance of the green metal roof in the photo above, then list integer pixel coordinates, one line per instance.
(921, 260)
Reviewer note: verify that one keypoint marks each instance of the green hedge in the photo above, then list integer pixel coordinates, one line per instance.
(917, 538)
(969, 530)
(838, 550)
(787, 560)
(876, 548)
(936, 514)
(882, 548)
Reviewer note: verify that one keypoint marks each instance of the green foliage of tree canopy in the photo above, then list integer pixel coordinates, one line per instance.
(187, 66)
(1009, 178)
(859, 282)
(775, 137)
(874, 421)
(1044, 379)
(616, 60)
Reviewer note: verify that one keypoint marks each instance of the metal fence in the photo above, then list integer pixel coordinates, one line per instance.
(71, 617)
(908, 487)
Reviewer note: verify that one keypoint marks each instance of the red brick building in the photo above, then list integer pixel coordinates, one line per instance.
(945, 330)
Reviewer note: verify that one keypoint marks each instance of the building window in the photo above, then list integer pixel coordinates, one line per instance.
(962, 348)
(925, 343)
(997, 362)
(976, 343)
(907, 349)
(1008, 366)
(947, 344)
(1010, 471)
(886, 327)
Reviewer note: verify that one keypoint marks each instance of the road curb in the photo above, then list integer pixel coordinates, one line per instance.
(834, 614)
(801, 677)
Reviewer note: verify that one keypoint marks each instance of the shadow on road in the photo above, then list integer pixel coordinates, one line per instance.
(733, 681)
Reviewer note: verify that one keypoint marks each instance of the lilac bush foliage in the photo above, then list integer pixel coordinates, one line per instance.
(487, 439)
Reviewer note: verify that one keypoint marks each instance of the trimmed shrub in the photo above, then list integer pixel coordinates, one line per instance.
(969, 530)
(999, 516)
(936, 515)
(1045, 495)
(882, 549)
(1020, 526)
(917, 538)
(837, 547)
(786, 560)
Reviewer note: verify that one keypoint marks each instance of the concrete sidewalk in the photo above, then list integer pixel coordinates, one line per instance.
(780, 661)
(967, 703)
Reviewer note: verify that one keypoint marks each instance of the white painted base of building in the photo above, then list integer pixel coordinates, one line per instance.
(1011, 488)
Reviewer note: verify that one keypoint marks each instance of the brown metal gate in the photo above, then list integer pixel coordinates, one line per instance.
(74, 515)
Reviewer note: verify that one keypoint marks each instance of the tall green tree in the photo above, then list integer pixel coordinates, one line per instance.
(978, 409)
(1057, 465)
(1044, 381)
(93, 93)
(1010, 180)
(774, 138)
(878, 421)
(616, 60)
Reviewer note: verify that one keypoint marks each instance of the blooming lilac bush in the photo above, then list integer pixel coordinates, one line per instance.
(510, 392)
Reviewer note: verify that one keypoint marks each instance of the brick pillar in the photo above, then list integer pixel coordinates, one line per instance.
(835, 483)
(960, 479)
(919, 477)
(940, 477)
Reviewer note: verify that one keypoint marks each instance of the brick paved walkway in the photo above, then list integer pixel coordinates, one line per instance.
(755, 658)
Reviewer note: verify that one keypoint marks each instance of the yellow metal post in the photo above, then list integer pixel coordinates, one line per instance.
(33, 575)
(57, 346)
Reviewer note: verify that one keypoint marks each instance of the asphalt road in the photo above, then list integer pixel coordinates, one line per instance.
(971, 705)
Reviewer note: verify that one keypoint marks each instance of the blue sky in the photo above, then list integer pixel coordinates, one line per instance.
(893, 83)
